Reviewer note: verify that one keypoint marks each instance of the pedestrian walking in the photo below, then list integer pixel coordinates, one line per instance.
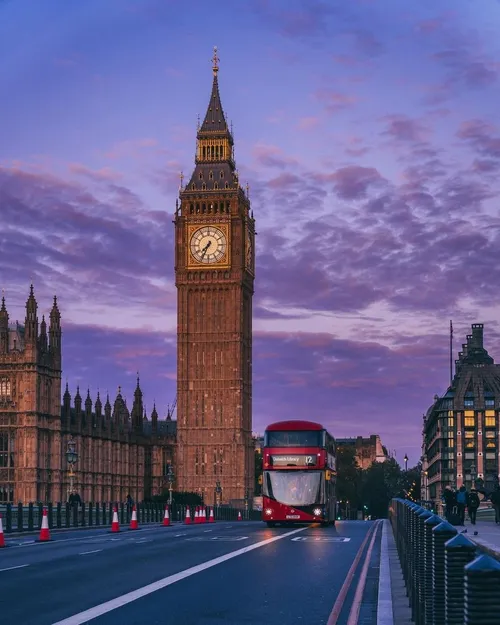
(472, 505)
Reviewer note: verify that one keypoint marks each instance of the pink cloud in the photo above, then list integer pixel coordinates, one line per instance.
(307, 123)
(335, 101)
(105, 174)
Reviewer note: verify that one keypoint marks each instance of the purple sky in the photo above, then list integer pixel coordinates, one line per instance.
(368, 134)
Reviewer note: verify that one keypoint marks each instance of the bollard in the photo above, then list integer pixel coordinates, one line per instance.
(432, 522)
(482, 591)
(458, 552)
(440, 535)
(420, 568)
(415, 511)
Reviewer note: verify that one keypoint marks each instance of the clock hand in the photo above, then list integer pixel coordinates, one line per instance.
(203, 252)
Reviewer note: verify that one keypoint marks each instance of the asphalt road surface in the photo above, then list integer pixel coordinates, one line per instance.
(227, 573)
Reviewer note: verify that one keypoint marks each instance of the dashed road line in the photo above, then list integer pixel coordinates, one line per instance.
(11, 568)
(86, 553)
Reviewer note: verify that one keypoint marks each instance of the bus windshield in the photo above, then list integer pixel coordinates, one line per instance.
(299, 438)
(294, 488)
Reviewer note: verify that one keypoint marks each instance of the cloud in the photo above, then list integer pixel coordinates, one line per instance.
(352, 182)
(335, 101)
(403, 128)
(104, 247)
(482, 136)
(99, 175)
(271, 156)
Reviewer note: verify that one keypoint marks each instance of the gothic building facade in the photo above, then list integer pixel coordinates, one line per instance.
(214, 274)
(119, 451)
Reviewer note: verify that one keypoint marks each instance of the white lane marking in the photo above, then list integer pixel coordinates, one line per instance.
(385, 615)
(228, 539)
(86, 553)
(57, 541)
(11, 568)
(206, 531)
(322, 539)
(108, 606)
(177, 535)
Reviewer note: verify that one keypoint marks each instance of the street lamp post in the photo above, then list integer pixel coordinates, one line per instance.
(71, 458)
(218, 493)
(406, 462)
(170, 479)
(473, 474)
(246, 502)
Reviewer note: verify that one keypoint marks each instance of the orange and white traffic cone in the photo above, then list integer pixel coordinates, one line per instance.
(2, 537)
(203, 517)
(134, 524)
(44, 531)
(187, 520)
(196, 516)
(115, 525)
(166, 518)
(239, 516)
(211, 519)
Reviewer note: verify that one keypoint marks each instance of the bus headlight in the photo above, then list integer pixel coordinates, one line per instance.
(269, 511)
(317, 511)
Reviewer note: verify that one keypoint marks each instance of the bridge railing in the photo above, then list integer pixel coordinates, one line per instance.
(27, 518)
(449, 579)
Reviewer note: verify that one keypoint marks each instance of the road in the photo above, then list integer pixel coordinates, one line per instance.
(228, 573)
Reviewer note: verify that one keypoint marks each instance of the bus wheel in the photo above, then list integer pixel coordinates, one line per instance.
(271, 524)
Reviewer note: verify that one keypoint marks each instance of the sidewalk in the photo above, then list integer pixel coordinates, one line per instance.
(488, 534)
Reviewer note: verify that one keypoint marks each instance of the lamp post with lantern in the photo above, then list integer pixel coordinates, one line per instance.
(218, 493)
(170, 480)
(71, 458)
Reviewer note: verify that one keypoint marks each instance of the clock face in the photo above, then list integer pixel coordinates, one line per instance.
(208, 245)
(249, 252)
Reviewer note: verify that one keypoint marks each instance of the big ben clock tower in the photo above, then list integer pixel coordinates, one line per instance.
(214, 273)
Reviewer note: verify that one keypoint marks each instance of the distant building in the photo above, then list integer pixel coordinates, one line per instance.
(461, 439)
(368, 450)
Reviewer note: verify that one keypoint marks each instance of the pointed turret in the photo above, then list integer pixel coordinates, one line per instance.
(55, 333)
(137, 409)
(78, 407)
(154, 419)
(215, 168)
(107, 410)
(215, 120)
(31, 320)
(43, 340)
(98, 407)
(4, 328)
(88, 409)
(67, 406)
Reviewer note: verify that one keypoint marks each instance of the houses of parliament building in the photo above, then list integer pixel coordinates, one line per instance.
(122, 451)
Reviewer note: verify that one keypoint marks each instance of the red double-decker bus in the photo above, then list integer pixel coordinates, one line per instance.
(299, 474)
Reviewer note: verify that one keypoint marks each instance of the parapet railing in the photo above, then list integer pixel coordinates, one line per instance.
(449, 579)
(27, 518)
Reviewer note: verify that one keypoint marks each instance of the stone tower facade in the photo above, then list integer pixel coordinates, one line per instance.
(119, 451)
(30, 405)
(214, 271)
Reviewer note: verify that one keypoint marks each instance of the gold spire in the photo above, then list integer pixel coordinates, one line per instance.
(182, 181)
(215, 61)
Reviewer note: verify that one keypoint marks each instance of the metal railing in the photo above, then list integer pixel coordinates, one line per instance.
(28, 518)
(449, 579)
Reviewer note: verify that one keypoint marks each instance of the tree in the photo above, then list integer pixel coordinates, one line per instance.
(348, 477)
(381, 482)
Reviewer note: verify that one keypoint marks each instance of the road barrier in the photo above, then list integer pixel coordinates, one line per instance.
(28, 518)
(449, 580)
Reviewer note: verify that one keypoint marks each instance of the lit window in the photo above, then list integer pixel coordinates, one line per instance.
(489, 422)
(5, 388)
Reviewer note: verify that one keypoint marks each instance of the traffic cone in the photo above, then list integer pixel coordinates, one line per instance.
(2, 537)
(203, 515)
(187, 520)
(44, 531)
(196, 516)
(166, 518)
(115, 525)
(211, 519)
(134, 524)
(239, 516)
